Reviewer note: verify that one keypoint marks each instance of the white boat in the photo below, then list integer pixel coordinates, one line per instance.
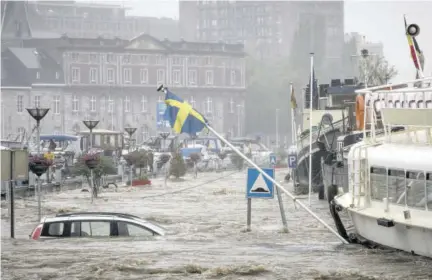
(389, 197)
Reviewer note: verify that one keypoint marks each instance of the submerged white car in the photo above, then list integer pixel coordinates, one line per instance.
(94, 224)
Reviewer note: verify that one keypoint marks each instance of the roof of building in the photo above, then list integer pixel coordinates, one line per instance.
(28, 56)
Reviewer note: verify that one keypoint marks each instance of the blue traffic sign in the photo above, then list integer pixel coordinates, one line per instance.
(272, 160)
(292, 161)
(257, 185)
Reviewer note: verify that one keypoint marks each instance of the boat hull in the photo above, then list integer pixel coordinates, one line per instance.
(414, 239)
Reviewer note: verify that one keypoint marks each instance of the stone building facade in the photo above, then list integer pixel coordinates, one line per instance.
(115, 81)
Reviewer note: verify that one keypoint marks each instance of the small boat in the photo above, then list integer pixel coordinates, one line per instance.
(388, 198)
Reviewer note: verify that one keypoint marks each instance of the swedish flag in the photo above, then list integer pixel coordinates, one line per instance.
(181, 116)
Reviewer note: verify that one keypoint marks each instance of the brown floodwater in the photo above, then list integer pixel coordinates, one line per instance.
(205, 239)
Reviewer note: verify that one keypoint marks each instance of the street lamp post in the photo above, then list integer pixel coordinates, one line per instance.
(91, 124)
(38, 114)
(130, 131)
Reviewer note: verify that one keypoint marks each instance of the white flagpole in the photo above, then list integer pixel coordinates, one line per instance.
(294, 198)
(310, 125)
(293, 122)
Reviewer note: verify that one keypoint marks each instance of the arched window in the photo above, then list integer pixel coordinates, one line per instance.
(390, 104)
(397, 104)
(412, 104)
(428, 104)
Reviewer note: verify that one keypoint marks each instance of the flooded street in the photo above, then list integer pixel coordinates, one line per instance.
(205, 239)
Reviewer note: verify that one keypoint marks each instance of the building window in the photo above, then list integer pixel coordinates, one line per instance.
(231, 104)
(209, 77)
(126, 58)
(144, 59)
(57, 75)
(233, 77)
(144, 104)
(159, 60)
(192, 102)
(208, 60)
(110, 58)
(177, 61)
(193, 61)
(209, 105)
(76, 75)
(144, 132)
(20, 103)
(57, 104)
(93, 104)
(110, 105)
(127, 104)
(127, 75)
(110, 75)
(176, 76)
(192, 77)
(37, 101)
(144, 76)
(160, 76)
(75, 104)
(37, 75)
(93, 75)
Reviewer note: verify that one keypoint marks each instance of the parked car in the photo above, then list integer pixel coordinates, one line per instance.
(94, 224)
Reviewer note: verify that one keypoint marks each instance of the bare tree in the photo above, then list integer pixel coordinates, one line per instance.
(375, 70)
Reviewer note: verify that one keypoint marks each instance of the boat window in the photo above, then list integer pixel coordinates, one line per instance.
(378, 180)
(428, 197)
(420, 104)
(428, 103)
(412, 104)
(397, 104)
(390, 103)
(396, 186)
(415, 188)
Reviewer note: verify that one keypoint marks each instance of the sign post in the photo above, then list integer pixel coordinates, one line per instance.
(292, 164)
(257, 187)
(279, 196)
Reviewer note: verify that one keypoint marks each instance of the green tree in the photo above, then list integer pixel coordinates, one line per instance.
(105, 167)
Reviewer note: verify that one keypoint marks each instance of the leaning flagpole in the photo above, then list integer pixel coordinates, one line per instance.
(310, 124)
(294, 198)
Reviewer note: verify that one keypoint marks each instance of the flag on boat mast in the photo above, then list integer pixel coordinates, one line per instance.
(416, 53)
(293, 99)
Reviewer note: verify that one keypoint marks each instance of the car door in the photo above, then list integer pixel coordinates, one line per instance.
(92, 228)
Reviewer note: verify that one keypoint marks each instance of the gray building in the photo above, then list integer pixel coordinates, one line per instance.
(115, 80)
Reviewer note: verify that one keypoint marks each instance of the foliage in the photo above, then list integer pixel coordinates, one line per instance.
(105, 167)
(40, 160)
(90, 156)
(178, 166)
(377, 71)
(139, 159)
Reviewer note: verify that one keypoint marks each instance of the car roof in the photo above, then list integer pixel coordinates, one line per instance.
(104, 216)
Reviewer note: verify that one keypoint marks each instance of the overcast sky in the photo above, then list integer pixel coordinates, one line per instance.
(377, 20)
